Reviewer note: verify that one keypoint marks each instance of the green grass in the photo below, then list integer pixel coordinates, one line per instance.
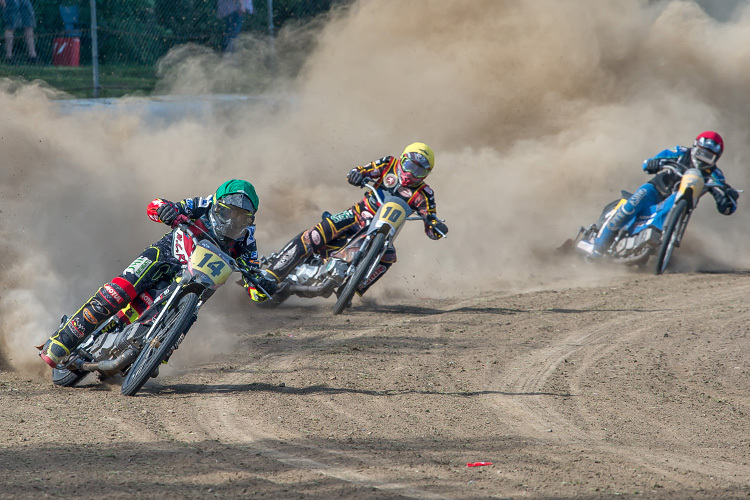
(114, 80)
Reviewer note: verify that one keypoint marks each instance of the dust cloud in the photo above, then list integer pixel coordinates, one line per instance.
(539, 112)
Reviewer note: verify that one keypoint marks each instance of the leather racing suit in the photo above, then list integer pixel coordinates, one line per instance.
(331, 232)
(131, 292)
(660, 187)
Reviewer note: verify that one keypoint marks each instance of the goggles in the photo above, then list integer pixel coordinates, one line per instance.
(416, 164)
(705, 155)
(236, 215)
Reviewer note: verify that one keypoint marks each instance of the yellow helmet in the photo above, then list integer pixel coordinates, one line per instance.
(415, 164)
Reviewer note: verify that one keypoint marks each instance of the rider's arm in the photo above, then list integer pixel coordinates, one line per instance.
(375, 169)
(247, 259)
(189, 207)
(655, 163)
(725, 196)
(424, 204)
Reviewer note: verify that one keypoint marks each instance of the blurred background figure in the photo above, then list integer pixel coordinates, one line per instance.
(19, 14)
(232, 12)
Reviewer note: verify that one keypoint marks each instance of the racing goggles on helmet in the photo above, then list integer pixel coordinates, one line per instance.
(234, 215)
(416, 164)
(706, 150)
(705, 155)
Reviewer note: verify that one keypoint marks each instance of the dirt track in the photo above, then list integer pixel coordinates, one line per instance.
(633, 388)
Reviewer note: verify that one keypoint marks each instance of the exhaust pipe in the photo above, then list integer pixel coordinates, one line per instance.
(111, 366)
(325, 290)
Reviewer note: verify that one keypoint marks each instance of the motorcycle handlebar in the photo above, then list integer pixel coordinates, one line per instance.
(368, 183)
(680, 171)
(673, 167)
(251, 276)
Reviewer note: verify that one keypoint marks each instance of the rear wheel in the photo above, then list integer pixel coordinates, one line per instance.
(372, 255)
(173, 324)
(670, 235)
(67, 378)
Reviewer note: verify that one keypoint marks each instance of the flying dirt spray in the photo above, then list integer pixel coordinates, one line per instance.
(539, 112)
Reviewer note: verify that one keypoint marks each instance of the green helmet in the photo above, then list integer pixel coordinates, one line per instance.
(233, 210)
(238, 187)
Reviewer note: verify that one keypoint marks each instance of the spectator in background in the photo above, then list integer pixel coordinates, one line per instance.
(19, 14)
(232, 12)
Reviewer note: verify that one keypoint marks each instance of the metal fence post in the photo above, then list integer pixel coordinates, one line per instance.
(95, 48)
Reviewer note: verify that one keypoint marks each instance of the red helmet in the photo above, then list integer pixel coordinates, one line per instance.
(707, 149)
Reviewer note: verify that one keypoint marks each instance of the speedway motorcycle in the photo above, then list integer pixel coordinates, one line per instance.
(344, 268)
(657, 232)
(136, 351)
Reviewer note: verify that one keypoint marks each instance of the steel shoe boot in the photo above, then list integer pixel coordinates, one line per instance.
(57, 347)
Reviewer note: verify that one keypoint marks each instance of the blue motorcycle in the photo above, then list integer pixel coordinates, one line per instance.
(658, 231)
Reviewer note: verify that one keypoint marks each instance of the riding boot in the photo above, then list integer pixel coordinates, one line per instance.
(646, 196)
(58, 346)
(109, 299)
(288, 258)
(603, 241)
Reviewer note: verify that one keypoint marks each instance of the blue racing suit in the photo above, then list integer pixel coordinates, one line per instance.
(660, 187)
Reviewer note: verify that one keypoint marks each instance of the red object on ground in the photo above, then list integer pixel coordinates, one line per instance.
(478, 464)
(66, 51)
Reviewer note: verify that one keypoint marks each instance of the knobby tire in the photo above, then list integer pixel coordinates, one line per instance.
(174, 324)
(67, 378)
(359, 274)
(668, 237)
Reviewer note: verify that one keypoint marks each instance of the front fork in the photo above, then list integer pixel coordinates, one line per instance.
(358, 256)
(681, 230)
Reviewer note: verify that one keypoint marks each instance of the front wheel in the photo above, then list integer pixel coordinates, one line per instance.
(173, 324)
(358, 277)
(670, 236)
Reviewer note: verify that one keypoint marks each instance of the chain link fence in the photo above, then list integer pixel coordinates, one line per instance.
(108, 48)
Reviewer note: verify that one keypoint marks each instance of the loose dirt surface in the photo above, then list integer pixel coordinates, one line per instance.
(636, 387)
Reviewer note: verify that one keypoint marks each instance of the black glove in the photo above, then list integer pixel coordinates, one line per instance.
(168, 212)
(268, 285)
(653, 166)
(725, 203)
(436, 225)
(355, 177)
(439, 226)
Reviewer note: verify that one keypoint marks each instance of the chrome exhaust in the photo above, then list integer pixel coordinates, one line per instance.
(112, 366)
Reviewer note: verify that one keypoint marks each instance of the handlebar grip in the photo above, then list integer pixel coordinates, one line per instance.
(180, 219)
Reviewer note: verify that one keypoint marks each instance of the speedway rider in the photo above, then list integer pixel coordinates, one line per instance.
(228, 215)
(706, 151)
(402, 177)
